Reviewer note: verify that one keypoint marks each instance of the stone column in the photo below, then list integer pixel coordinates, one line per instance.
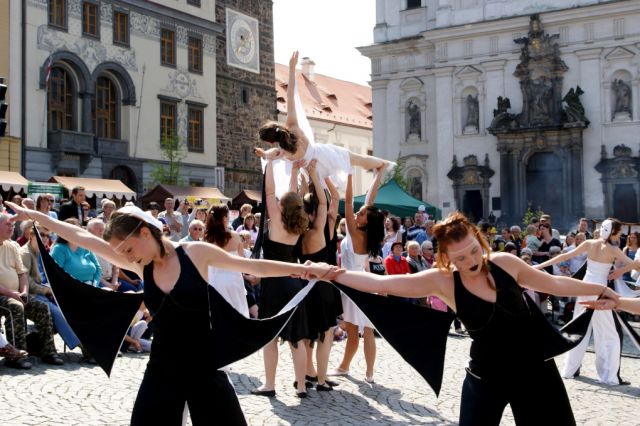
(493, 85)
(590, 82)
(381, 147)
(444, 133)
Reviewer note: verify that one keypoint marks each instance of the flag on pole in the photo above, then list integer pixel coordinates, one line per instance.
(49, 64)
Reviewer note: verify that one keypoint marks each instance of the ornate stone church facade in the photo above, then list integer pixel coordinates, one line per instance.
(495, 105)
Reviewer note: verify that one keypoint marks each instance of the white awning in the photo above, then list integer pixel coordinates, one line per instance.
(13, 181)
(101, 188)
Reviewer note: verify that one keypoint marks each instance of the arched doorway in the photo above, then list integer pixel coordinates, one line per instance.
(625, 202)
(544, 184)
(125, 175)
(472, 205)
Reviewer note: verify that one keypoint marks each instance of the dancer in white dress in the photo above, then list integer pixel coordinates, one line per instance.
(602, 253)
(365, 231)
(295, 141)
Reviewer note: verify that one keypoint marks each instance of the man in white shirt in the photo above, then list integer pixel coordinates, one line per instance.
(173, 219)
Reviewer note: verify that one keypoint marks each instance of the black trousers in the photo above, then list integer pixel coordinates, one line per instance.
(536, 394)
(165, 389)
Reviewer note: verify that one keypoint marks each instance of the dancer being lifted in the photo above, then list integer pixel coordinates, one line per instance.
(509, 362)
(295, 141)
(601, 254)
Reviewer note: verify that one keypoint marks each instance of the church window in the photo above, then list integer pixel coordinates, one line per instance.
(168, 47)
(90, 20)
(60, 100)
(105, 110)
(58, 13)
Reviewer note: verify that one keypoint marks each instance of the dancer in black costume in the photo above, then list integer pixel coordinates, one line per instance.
(177, 293)
(510, 363)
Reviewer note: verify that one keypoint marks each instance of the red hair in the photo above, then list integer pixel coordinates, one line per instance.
(455, 228)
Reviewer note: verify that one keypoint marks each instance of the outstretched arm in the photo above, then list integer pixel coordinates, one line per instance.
(292, 118)
(77, 236)
(582, 248)
(631, 305)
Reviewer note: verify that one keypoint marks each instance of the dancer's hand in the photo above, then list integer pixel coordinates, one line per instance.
(293, 62)
(21, 213)
(615, 274)
(600, 305)
(298, 164)
(321, 271)
(609, 294)
(311, 167)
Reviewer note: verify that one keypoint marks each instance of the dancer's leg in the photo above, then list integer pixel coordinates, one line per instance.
(369, 351)
(366, 162)
(299, 356)
(574, 357)
(311, 370)
(323, 349)
(351, 347)
(270, 355)
(607, 347)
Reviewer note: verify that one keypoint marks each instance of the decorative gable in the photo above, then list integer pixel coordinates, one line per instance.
(468, 73)
(619, 53)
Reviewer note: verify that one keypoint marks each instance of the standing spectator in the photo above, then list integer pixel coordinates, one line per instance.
(406, 224)
(417, 263)
(342, 228)
(577, 261)
(196, 229)
(74, 207)
(516, 237)
(569, 241)
(532, 242)
(583, 226)
(183, 209)
(172, 218)
(417, 232)
(245, 209)
(108, 207)
(630, 250)
(542, 254)
(392, 235)
(251, 226)
(154, 209)
(394, 263)
(14, 296)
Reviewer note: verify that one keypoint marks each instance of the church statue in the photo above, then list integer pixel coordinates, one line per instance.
(575, 109)
(622, 93)
(413, 111)
(503, 105)
(416, 187)
(472, 112)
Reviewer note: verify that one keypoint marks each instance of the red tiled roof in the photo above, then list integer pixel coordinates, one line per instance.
(328, 99)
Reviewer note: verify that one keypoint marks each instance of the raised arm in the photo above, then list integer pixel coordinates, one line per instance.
(373, 189)
(334, 202)
(582, 248)
(292, 118)
(270, 189)
(321, 214)
(76, 235)
(348, 206)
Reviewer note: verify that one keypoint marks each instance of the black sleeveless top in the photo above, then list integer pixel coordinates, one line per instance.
(505, 334)
(180, 317)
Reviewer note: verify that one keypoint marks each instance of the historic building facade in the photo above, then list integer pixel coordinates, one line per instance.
(496, 104)
(246, 95)
(10, 144)
(339, 112)
(107, 80)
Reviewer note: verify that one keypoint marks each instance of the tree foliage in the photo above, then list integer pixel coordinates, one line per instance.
(173, 152)
(398, 174)
(530, 214)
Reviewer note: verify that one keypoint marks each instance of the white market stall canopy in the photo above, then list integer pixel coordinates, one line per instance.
(101, 188)
(13, 181)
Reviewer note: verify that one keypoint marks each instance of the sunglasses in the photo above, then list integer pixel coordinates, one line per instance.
(197, 229)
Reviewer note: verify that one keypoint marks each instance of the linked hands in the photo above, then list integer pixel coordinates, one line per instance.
(609, 299)
(321, 271)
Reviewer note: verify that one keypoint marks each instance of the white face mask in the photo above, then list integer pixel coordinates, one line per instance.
(605, 229)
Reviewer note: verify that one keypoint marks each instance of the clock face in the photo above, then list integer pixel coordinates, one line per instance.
(242, 41)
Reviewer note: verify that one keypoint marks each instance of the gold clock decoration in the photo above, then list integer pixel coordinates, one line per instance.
(242, 41)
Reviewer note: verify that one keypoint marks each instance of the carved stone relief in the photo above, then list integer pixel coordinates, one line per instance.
(182, 120)
(92, 52)
(181, 84)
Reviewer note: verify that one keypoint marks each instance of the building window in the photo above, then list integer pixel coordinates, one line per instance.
(105, 111)
(121, 28)
(195, 129)
(60, 103)
(90, 19)
(414, 4)
(58, 13)
(194, 2)
(168, 47)
(167, 119)
(195, 55)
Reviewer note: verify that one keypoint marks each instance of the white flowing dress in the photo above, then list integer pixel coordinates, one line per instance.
(230, 285)
(352, 261)
(605, 336)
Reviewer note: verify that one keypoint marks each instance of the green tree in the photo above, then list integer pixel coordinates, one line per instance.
(398, 174)
(173, 152)
(530, 214)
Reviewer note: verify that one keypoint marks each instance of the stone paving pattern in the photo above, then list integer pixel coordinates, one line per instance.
(81, 394)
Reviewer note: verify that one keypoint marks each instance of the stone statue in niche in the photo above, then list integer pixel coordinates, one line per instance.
(622, 100)
(416, 187)
(413, 112)
(473, 115)
(540, 94)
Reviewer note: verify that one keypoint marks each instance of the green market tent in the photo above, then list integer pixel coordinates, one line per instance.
(396, 200)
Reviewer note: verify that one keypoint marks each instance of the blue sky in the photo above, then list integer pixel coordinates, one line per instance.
(328, 31)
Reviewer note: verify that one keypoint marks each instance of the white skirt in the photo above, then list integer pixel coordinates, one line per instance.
(230, 285)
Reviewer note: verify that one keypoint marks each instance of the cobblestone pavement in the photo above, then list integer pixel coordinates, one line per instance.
(81, 394)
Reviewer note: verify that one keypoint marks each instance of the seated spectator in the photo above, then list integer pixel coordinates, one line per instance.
(129, 281)
(25, 232)
(14, 298)
(10, 352)
(196, 229)
(39, 288)
(79, 262)
(416, 262)
(133, 341)
(428, 253)
(109, 277)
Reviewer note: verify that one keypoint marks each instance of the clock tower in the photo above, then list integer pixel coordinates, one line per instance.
(245, 88)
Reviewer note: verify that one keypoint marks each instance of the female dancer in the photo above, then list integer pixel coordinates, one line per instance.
(175, 292)
(286, 223)
(320, 302)
(295, 141)
(507, 363)
(229, 284)
(365, 231)
(601, 254)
